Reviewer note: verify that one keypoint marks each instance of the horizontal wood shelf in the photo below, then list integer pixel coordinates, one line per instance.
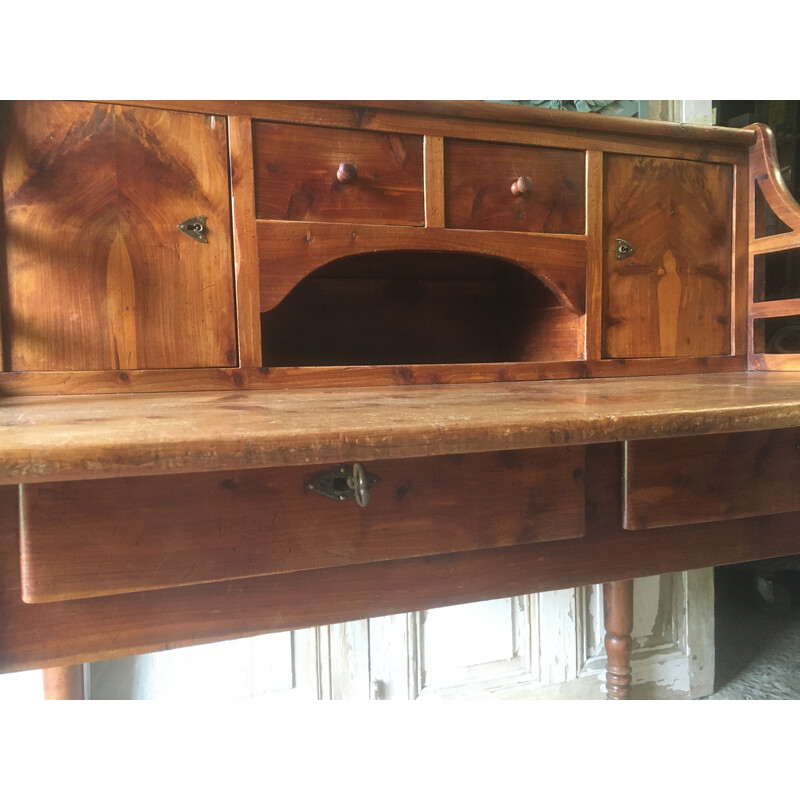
(80, 437)
(775, 308)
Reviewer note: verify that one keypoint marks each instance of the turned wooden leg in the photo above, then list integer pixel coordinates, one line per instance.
(63, 683)
(618, 614)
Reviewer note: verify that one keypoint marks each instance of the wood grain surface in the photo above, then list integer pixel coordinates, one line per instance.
(478, 179)
(289, 251)
(296, 175)
(89, 538)
(672, 297)
(706, 478)
(81, 437)
(99, 275)
(49, 634)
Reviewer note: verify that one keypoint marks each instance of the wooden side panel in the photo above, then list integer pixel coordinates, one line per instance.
(99, 275)
(672, 296)
(707, 478)
(104, 537)
(296, 175)
(478, 196)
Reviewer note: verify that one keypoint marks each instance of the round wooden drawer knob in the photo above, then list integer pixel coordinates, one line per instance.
(347, 172)
(521, 185)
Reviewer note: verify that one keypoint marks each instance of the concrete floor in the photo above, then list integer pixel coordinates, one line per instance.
(757, 654)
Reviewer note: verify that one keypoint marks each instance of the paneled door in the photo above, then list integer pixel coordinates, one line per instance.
(100, 275)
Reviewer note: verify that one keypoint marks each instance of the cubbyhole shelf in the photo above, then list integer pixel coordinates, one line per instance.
(419, 308)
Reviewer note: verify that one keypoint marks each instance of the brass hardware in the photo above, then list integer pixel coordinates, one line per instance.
(623, 249)
(343, 483)
(194, 228)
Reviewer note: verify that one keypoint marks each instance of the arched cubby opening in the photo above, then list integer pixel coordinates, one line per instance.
(405, 307)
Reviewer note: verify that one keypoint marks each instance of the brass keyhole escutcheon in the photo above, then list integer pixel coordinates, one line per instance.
(623, 249)
(194, 228)
(343, 483)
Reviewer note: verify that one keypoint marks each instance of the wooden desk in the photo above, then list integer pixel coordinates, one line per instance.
(161, 447)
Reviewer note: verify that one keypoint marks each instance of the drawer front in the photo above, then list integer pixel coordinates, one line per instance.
(479, 177)
(298, 175)
(711, 478)
(90, 538)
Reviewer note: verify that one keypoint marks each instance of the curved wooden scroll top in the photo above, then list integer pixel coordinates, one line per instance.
(765, 172)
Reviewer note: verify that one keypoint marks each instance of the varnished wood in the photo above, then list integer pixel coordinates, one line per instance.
(89, 538)
(99, 275)
(768, 189)
(364, 114)
(433, 151)
(72, 438)
(291, 250)
(705, 478)
(48, 634)
(245, 240)
(766, 174)
(477, 180)
(19, 384)
(672, 297)
(594, 254)
(299, 175)
(775, 308)
(64, 683)
(740, 260)
(618, 618)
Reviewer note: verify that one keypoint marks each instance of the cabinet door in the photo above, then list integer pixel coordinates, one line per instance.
(672, 295)
(99, 275)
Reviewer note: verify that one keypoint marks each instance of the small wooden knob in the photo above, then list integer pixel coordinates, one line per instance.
(521, 185)
(347, 172)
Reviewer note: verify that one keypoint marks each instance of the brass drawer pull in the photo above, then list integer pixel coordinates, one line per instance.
(343, 483)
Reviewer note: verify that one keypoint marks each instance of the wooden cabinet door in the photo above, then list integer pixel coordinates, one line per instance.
(672, 295)
(99, 275)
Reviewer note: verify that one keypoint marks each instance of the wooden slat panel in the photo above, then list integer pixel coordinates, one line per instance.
(672, 297)
(112, 382)
(73, 438)
(99, 275)
(775, 308)
(84, 538)
(478, 179)
(594, 254)
(296, 166)
(245, 241)
(434, 181)
(707, 478)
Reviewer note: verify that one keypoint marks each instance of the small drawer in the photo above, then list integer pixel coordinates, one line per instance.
(711, 478)
(101, 537)
(514, 188)
(332, 175)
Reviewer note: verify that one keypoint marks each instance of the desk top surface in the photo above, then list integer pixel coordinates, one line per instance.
(79, 437)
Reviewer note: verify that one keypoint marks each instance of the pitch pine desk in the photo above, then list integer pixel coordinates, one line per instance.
(274, 365)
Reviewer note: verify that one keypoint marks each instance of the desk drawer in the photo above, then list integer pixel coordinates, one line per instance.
(710, 478)
(89, 538)
(298, 175)
(479, 177)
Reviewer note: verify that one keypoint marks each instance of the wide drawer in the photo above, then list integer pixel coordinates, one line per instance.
(514, 188)
(89, 538)
(710, 478)
(331, 175)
